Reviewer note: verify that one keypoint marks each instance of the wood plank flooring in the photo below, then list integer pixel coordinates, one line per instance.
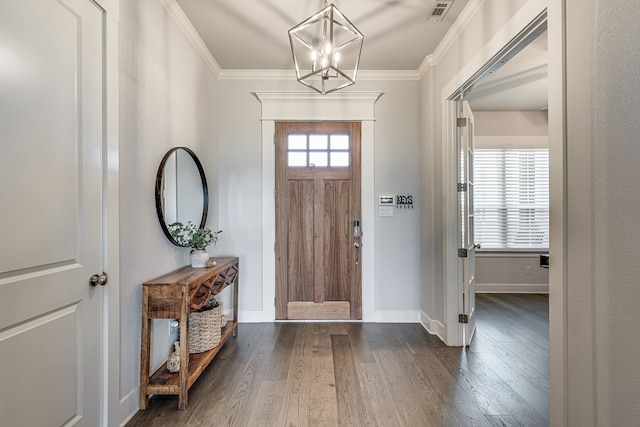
(373, 374)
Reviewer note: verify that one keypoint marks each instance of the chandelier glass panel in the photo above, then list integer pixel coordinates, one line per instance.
(326, 50)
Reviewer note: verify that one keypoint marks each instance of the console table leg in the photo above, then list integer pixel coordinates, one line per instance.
(235, 302)
(184, 353)
(145, 351)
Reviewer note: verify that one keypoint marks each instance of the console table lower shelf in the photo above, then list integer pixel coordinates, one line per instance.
(168, 383)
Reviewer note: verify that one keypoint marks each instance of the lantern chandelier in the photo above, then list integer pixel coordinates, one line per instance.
(326, 50)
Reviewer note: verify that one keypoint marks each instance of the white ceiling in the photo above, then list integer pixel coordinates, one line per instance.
(252, 34)
(398, 35)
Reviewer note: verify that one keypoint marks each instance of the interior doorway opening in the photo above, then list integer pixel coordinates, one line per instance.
(478, 84)
(454, 266)
(558, 363)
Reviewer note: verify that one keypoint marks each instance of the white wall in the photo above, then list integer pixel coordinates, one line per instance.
(510, 123)
(167, 98)
(510, 273)
(603, 198)
(396, 171)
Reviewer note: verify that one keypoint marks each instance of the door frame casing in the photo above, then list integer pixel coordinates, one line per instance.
(112, 411)
(305, 106)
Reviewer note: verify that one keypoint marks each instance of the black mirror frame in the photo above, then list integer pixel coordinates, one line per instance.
(205, 191)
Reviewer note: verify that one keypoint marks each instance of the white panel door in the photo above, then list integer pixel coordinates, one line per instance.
(51, 139)
(466, 221)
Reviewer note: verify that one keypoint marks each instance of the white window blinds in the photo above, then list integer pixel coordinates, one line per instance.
(511, 195)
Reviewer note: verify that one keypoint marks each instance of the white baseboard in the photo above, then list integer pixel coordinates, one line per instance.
(408, 316)
(505, 288)
(404, 316)
(246, 316)
(434, 327)
(129, 405)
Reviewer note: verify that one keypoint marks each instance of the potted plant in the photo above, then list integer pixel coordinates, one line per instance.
(196, 238)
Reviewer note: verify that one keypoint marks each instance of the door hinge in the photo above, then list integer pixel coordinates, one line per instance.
(461, 122)
(462, 187)
(463, 253)
(463, 318)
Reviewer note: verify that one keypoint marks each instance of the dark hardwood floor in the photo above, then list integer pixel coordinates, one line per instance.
(361, 374)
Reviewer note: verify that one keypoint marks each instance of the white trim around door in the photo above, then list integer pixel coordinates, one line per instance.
(305, 106)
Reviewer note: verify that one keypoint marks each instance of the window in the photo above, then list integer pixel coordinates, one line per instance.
(318, 150)
(511, 195)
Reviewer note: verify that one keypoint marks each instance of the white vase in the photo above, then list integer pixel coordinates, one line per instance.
(199, 258)
(173, 363)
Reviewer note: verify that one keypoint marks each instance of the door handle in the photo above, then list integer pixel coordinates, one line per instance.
(477, 246)
(98, 279)
(357, 231)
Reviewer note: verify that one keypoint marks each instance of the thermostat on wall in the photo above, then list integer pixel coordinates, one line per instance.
(387, 200)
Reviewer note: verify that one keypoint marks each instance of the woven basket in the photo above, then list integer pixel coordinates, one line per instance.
(204, 329)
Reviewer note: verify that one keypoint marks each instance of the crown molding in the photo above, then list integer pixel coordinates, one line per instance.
(363, 75)
(388, 75)
(178, 15)
(454, 32)
(240, 74)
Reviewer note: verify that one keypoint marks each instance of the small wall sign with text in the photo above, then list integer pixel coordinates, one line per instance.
(404, 202)
(387, 200)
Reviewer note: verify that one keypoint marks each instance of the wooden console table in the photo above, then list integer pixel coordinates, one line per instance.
(174, 296)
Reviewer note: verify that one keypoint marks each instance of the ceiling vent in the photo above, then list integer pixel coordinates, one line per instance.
(440, 10)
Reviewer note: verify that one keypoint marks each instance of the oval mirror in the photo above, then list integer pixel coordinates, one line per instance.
(182, 194)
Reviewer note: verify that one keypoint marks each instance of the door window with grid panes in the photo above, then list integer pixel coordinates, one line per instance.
(318, 150)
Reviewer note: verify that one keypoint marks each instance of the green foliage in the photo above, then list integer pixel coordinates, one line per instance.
(193, 237)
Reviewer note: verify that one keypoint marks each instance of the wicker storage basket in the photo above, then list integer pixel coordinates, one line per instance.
(204, 328)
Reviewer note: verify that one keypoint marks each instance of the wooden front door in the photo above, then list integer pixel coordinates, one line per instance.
(51, 139)
(318, 268)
